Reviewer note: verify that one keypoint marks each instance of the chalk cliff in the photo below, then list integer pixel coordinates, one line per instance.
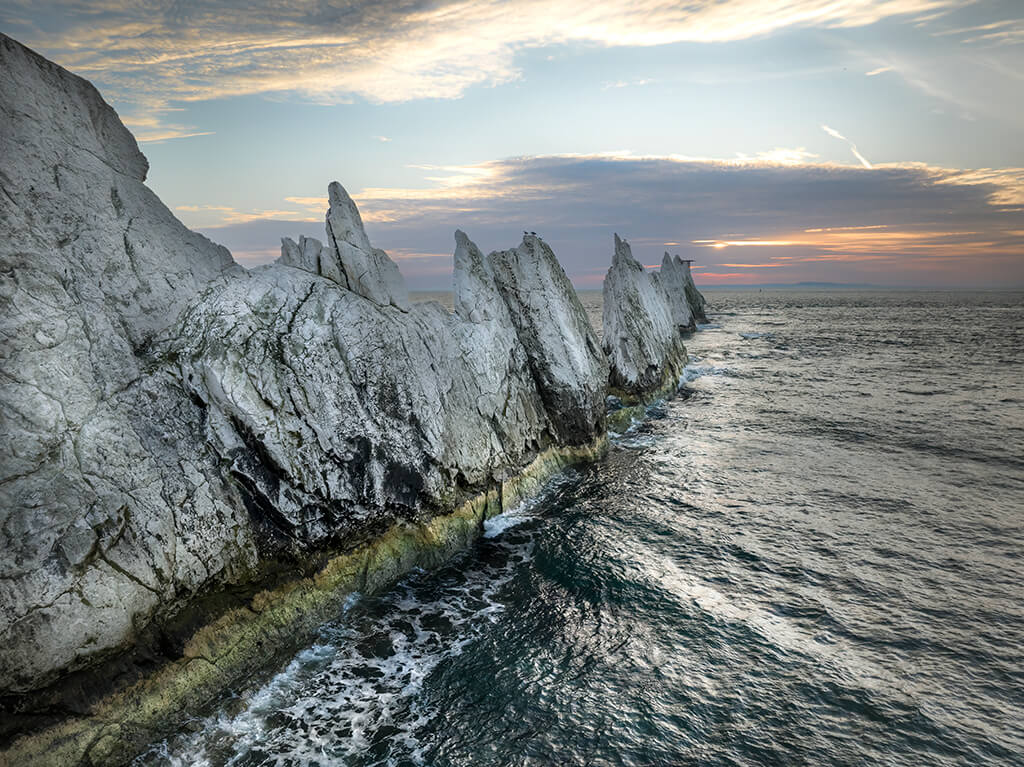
(111, 504)
(200, 460)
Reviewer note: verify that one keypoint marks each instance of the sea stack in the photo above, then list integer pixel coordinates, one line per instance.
(565, 355)
(693, 296)
(644, 346)
(674, 279)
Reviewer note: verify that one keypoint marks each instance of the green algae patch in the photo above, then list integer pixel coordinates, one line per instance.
(246, 643)
(634, 405)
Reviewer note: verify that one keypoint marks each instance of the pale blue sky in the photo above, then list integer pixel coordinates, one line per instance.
(436, 115)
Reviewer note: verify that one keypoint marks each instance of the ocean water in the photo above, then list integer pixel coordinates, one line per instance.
(814, 555)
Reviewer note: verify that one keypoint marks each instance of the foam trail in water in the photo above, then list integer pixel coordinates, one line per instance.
(525, 510)
(335, 699)
(357, 690)
(693, 371)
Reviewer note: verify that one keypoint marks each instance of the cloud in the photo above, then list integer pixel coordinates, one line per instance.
(908, 224)
(213, 216)
(878, 71)
(853, 147)
(151, 128)
(779, 156)
(1004, 32)
(625, 84)
(151, 53)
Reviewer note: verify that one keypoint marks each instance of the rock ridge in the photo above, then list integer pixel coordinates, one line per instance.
(180, 429)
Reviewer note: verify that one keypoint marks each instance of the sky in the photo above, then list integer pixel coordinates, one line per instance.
(772, 141)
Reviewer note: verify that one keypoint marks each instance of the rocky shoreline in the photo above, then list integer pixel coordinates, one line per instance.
(201, 461)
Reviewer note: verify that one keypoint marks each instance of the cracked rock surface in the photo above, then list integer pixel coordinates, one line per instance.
(565, 356)
(110, 503)
(698, 305)
(334, 412)
(674, 279)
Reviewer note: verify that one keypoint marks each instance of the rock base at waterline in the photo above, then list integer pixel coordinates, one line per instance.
(249, 641)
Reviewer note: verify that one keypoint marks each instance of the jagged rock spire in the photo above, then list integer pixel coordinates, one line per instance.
(693, 296)
(564, 352)
(640, 338)
(302, 255)
(350, 260)
(476, 297)
(673, 279)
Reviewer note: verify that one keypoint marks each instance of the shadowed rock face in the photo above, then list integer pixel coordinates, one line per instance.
(565, 355)
(643, 343)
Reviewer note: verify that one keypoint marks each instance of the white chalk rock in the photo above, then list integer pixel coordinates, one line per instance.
(698, 305)
(564, 352)
(110, 501)
(641, 339)
(350, 260)
(305, 254)
(337, 416)
(673, 280)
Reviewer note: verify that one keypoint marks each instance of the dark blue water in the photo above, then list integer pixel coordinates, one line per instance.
(814, 555)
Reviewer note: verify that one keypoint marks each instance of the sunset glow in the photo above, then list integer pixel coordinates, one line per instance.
(896, 169)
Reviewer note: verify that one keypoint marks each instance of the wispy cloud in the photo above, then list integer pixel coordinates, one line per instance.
(878, 71)
(1004, 32)
(625, 83)
(778, 156)
(152, 53)
(853, 147)
(212, 216)
(151, 128)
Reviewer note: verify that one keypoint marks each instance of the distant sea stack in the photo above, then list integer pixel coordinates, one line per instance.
(641, 338)
(201, 461)
(675, 278)
(693, 296)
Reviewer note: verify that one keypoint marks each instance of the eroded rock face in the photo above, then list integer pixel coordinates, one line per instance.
(641, 339)
(336, 414)
(673, 280)
(110, 504)
(568, 366)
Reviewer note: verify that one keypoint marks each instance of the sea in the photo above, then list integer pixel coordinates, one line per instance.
(812, 555)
